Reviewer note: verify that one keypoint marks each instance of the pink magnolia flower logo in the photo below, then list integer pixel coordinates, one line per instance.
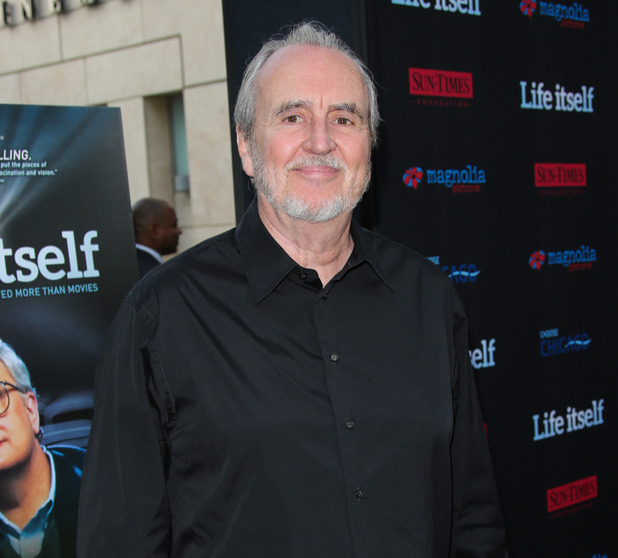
(527, 7)
(412, 177)
(537, 259)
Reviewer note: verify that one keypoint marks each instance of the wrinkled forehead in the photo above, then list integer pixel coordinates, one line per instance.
(5, 375)
(312, 73)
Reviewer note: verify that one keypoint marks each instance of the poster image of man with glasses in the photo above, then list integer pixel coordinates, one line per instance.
(39, 486)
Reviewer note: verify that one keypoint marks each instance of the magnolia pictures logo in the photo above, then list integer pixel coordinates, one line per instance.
(573, 16)
(574, 260)
(467, 180)
(412, 177)
(537, 259)
(527, 7)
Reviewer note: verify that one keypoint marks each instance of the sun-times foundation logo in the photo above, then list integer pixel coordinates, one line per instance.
(574, 260)
(551, 424)
(467, 180)
(537, 97)
(572, 494)
(553, 343)
(573, 15)
(465, 7)
(441, 88)
(560, 179)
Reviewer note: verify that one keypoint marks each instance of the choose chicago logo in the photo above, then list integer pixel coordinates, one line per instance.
(559, 179)
(467, 180)
(552, 343)
(462, 273)
(441, 87)
(573, 15)
(575, 260)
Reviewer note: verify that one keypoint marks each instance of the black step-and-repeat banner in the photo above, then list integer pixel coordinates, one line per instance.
(497, 162)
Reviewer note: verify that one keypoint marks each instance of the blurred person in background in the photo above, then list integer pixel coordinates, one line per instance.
(156, 232)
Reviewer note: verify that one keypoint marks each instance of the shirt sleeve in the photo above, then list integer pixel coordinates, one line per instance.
(124, 509)
(478, 530)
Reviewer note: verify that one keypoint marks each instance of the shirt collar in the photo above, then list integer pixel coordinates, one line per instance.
(366, 251)
(267, 264)
(150, 251)
(28, 541)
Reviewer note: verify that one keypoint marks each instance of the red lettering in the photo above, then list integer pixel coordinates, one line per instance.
(440, 83)
(572, 493)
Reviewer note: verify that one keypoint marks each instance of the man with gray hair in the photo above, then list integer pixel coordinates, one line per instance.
(39, 488)
(298, 387)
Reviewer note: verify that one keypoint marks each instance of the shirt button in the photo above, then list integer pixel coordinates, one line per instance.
(359, 493)
(334, 357)
(349, 424)
(302, 275)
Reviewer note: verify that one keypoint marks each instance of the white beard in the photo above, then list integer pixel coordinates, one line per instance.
(298, 208)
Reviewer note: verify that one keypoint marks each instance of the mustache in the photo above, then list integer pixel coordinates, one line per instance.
(317, 161)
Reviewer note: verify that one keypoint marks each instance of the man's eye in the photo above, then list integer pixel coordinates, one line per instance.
(343, 120)
(292, 118)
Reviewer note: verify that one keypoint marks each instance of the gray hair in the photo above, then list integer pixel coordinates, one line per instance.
(304, 34)
(15, 366)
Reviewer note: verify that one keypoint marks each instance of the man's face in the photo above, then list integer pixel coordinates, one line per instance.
(310, 157)
(168, 232)
(18, 426)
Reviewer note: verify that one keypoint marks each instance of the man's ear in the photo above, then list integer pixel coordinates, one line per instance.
(32, 406)
(243, 150)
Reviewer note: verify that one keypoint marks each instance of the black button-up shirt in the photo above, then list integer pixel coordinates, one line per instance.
(243, 410)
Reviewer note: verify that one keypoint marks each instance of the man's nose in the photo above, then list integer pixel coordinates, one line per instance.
(319, 139)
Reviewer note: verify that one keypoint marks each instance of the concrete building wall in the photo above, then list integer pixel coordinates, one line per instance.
(134, 54)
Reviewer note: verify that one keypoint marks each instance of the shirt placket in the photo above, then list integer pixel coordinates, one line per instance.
(339, 375)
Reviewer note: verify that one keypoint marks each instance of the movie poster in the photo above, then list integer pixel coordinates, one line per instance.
(67, 257)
